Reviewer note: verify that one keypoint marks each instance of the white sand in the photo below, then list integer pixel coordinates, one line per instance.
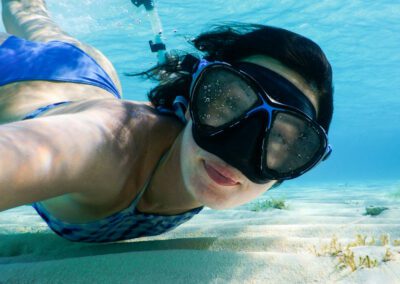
(236, 246)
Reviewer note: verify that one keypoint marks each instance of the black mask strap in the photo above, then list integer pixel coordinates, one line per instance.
(189, 63)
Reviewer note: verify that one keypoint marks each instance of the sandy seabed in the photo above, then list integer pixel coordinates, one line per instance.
(304, 243)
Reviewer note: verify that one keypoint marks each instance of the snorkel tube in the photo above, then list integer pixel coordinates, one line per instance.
(158, 44)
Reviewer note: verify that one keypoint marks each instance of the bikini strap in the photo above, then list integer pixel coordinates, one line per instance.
(40, 110)
(148, 182)
(179, 105)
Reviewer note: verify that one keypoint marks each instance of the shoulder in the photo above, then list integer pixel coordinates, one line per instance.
(134, 136)
(135, 130)
(141, 135)
(140, 119)
(123, 117)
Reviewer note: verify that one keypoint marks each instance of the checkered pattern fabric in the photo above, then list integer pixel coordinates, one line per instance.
(126, 224)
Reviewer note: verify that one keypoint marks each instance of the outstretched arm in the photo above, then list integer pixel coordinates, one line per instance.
(56, 155)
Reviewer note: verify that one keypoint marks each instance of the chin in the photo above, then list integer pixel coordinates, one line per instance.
(214, 196)
(219, 206)
(208, 199)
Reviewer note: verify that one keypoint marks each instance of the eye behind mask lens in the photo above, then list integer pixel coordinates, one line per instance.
(291, 143)
(221, 97)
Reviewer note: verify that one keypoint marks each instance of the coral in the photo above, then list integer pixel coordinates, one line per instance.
(367, 262)
(332, 249)
(374, 211)
(269, 204)
(360, 241)
(385, 240)
(372, 242)
(396, 242)
(388, 256)
(346, 257)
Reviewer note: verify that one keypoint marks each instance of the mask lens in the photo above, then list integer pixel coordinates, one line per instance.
(291, 144)
(222, 96)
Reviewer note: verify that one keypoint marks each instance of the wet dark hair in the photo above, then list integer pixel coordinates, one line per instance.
(233, 42)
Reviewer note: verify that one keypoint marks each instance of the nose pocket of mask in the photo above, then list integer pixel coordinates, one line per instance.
(239, 145)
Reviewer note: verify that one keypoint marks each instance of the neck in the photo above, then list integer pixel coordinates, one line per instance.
(167, 193)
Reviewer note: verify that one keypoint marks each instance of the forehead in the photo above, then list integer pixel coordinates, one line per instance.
(287, 73)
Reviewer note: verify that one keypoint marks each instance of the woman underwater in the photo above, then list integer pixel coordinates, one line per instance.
(98, 168)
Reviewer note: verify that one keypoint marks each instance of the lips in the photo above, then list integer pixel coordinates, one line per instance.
(217, 175)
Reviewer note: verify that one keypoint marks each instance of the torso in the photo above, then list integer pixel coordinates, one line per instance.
(147, 135)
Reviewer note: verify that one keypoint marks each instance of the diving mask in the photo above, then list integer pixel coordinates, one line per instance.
(255, 120)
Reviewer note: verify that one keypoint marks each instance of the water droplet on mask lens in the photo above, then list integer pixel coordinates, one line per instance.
(302, 136)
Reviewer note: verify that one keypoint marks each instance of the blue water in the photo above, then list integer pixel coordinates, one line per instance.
(360, 38)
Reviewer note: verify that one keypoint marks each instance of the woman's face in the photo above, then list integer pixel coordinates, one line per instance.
(213, 182)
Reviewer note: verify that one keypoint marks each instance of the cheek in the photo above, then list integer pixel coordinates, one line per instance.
(190, 156)
(193, 173)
